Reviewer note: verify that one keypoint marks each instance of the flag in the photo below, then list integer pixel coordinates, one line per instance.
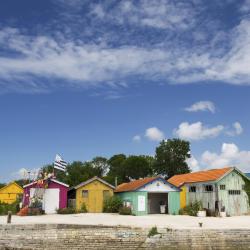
(59, 163)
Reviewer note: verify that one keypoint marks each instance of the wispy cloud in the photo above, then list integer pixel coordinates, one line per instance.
(73, 61)
(201, 106)
(137, 138)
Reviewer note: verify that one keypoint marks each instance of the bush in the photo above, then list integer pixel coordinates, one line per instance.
(5, 207)
(191, 209)
(83, 209)
(153, 231)
(67, 210)
(71, 210)
(125, 211)
(112, 204)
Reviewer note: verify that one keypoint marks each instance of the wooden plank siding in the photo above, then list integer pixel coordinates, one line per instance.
(10, 193)
(228, 192)
(173, 203)
(234, 204)
(207, 198)
(94, 196)
(183, 196)
(132, 197)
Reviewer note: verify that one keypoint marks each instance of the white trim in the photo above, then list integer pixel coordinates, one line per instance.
(94, 179)
(56, 181)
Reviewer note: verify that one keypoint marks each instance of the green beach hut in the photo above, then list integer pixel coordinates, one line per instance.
(152, 195)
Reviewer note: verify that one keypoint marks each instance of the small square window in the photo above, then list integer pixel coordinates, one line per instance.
(234, 192)
(85, 193)
(208, 188)
(222, 187)
(192, 189)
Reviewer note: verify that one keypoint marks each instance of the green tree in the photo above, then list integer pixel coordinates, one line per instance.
(78, 172)
(171, 156)
(116, 169)
(137, 167)
(100, 164)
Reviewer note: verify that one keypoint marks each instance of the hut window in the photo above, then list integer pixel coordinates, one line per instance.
(192, 189)
(106, 194)
(85, 193)
(243, 187)
(234, 192)
(208, 188)
(222, 187)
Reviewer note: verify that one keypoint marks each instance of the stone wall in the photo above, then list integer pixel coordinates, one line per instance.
(70, 237)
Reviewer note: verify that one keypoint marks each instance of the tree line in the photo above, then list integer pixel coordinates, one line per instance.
(169, 159)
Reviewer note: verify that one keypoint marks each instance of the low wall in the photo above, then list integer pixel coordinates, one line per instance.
(70, 237)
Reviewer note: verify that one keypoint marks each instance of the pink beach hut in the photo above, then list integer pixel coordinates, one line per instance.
(52, 193)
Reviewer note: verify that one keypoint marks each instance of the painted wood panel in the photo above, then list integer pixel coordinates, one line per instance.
(207, 198)
(183, 195)
(173, 202)
(235, 204)
(10, 193)
(133, 198)
(158, 186)
(95, 197)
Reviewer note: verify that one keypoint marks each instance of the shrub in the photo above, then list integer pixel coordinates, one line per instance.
(112, 204)
(67, 210)
(153, 231)
(191, 209)
(71, 210)
(83, 209)
(5, 207)
(125, 211)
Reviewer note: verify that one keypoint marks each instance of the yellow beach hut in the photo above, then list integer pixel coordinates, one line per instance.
(10, 193)
(92, 193)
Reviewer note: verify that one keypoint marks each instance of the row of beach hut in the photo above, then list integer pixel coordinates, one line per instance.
(216, 189)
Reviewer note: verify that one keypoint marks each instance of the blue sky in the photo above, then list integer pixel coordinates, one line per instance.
(86, 78)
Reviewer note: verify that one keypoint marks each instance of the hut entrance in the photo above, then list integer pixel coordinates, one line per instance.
(157, 203)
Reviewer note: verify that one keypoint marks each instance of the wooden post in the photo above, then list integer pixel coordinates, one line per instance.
(9, 217)
(116, 181)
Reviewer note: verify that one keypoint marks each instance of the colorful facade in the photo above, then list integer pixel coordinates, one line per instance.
(11, 193)
(92, 193)
(217, 189)
(148, 195)
(53, 194)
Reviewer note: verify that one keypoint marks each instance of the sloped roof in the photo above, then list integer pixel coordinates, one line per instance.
(94, 179)
(201, 176)
(135, 185)
(9, 184)
(53, 180)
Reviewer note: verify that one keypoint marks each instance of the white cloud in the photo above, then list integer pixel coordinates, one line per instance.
(154, 134)
(76, 63)
(245, 6)
(230, 155)
(193, 164)
(24, 173)
(197, 131)
(201, 106)
(236, 129)
(161, 14)
(137, 138)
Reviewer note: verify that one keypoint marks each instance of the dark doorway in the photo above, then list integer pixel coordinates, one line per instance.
(154, 202)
